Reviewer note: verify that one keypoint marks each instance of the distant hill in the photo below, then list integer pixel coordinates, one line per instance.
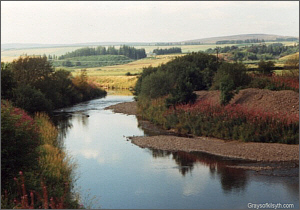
(213, 40)
(16, 46)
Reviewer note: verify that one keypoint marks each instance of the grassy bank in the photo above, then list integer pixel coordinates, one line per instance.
(225, 122)
(36, 172)
(166, 96)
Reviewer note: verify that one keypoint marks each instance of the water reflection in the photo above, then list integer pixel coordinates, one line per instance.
(230, 178)
(126, 176)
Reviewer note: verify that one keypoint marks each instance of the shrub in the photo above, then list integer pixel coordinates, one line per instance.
(226, 87)
(31, 100)
(7, 81)
(31, 146)
(19, 141)
(266, 68)
(235, 71)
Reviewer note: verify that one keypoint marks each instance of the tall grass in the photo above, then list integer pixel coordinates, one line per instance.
(226, 122)
(284, 81)
(44, 166)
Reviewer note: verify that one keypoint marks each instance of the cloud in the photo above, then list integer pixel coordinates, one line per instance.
(75, 22)
(89, 153)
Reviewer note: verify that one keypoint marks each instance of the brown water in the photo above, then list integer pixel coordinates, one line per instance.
(122, 175)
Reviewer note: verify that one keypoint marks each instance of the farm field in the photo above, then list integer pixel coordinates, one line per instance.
(10, 55)
(114, 76)
(132, 67)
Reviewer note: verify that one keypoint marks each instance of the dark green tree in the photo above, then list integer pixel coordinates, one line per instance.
(266, 68)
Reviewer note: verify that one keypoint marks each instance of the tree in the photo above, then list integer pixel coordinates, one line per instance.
(266, 68)
(226, 87)
(236, 72)
(29, 70)
(8, 82)
(31, 100)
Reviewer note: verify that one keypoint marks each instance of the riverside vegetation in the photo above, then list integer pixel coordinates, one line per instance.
(36, 172)
(165, 96)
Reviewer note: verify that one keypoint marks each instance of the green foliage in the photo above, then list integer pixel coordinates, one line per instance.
(266, 68)
(29, 70)
(30, 99)
(30, 146)
(225, 122)
(86, 91)
(226, 87)
(182, 94)
(167, 51)
(235, 71)
(31, 83)
(156, 85)
(178, 78)
(255, 51)
(7, 81)
(92, 61)
(127, 51)
(19, 141)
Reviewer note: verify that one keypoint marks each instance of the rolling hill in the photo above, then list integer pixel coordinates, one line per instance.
(210, 40)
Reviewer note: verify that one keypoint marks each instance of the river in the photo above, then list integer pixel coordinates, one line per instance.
(122, 175)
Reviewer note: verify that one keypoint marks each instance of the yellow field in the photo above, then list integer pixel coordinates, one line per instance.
(283, 59)
(133, 67)
(114, 76)
(10, 55)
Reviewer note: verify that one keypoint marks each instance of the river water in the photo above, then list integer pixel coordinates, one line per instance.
(122, 175)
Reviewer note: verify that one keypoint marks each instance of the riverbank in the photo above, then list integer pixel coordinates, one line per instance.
(129, 108)
(252, 151)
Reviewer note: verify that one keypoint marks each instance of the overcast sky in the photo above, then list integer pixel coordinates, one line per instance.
(137, 21)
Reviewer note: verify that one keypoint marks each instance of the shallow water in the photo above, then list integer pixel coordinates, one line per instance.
(123, 175)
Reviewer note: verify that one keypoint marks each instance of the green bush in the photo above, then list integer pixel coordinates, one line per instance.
(178, 78)
(7, 81)
(226, 87)
(29, 147)
(31, 100)
(19, 141)
(235, 71)
(266, 68)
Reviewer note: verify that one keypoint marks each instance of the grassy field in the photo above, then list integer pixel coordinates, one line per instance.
(114, 76)
(9, 55)
(132, 67)
(93, 61)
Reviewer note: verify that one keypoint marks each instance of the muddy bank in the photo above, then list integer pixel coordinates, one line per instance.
(252, 151)
(128, 108)
(262, 152)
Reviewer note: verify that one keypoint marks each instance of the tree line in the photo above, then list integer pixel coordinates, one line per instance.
(127, 51)
(31, 83)
(167, 51)
(256, 52)
(240, 41)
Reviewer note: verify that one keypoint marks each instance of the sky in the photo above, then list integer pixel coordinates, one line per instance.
(69, 22)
